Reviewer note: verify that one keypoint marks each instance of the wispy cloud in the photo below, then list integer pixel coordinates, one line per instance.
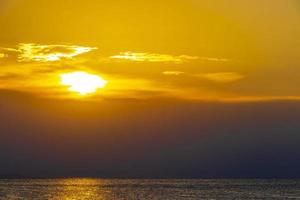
(219, 77)
(3, 55)
(27, 52)
(173, 73)
(45, 53)
(10, 76)
(222, 77)
(211, 59)
(152, 57)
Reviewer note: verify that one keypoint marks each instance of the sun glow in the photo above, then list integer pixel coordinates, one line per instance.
(82, 82)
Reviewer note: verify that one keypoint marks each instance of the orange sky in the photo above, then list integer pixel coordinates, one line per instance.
(210, 50)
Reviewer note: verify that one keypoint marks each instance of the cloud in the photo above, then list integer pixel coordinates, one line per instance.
(219, 77)
(222, 77)
(173, 73)
(44, 53)
(8, 49)
(152, 57)
(261, 98)
(214, 59)
(27, 52)
(3, 55)
(11, 76)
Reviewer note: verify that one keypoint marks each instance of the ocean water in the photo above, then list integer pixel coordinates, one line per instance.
(121, 189)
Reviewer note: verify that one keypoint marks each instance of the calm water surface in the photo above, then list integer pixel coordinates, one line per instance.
(103, 189)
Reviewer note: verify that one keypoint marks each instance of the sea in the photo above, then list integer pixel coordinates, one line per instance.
(144, 189)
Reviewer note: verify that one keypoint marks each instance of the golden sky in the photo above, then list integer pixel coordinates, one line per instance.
(224, 50)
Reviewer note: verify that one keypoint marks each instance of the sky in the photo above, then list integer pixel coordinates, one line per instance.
(174, 88)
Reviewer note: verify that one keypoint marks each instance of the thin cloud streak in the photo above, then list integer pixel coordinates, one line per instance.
(171, 73)
(45, 53)
(152, 57)
(211, 59)
(223, 77)
(219, 77)
(3, 55)
(27, 52)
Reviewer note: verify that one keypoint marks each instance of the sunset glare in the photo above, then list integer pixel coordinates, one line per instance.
(82, 82)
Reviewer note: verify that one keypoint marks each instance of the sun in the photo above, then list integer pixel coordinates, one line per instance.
(82, 83)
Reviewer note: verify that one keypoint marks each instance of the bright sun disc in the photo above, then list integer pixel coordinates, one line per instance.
(82, 82)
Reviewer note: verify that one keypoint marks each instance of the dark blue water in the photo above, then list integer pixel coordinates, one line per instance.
(105, 189)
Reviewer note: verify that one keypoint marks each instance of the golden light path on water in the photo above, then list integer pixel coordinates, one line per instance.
(147, 189)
